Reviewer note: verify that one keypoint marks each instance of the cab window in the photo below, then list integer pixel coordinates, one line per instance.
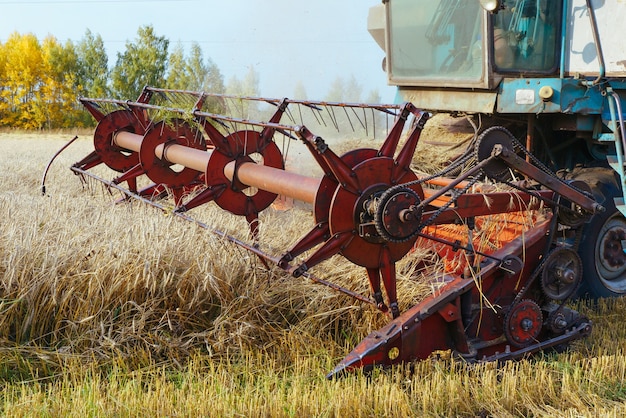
(434, 40)
(525, 36)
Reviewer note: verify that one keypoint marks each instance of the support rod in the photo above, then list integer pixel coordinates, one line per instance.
(271, 179)
(193, 158)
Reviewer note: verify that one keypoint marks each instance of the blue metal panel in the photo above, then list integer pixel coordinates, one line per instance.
(521, 95)
(580, 99)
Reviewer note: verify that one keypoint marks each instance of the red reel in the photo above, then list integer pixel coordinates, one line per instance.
(373, 175)
(160, 171)
(248, 144)
(326, 191)
(113, 156)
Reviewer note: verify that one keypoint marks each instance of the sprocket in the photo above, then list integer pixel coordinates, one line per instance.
(562, 273)
(523, 323)
(496, 135)
(398, 215)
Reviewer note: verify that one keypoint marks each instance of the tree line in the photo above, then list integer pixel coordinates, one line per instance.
(40, 80)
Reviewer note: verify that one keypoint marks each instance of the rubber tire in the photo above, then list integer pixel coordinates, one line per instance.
(604, 184)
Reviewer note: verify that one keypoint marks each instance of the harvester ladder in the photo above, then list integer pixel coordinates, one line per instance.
(617, 136)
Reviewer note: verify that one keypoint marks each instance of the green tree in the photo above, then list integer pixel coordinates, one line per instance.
(177, 77)
(337, 91)
(93, 63)
(373, 97)
(57, 104)
(342, 90)
(299, 91)
(193, 73)
(348, 122)
(246, 87)
(214, 80)
(143, 63)
(234, 86)
(354, 90)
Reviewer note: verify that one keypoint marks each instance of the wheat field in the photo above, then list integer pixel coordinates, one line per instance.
(122, 310)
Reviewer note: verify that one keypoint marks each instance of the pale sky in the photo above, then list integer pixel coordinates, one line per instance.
(284, 40)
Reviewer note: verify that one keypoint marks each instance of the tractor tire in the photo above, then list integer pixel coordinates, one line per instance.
(600, 249)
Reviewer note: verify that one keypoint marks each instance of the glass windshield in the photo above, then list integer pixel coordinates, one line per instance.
(435, 40)
(525, 35)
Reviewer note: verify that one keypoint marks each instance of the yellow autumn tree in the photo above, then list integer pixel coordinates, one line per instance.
(3, 104)
(39, 83)
(23, 73)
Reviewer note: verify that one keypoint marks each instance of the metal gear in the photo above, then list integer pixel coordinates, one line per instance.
(562, 273)
(398, 215)
(496, 169)
(561, 318)
(557, 322)
(523, 323)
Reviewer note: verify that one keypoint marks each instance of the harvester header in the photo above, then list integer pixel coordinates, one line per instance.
(499, 301)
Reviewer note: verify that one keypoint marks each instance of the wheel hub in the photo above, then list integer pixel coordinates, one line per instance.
(612, 250)
(562, 273)
(611, 259)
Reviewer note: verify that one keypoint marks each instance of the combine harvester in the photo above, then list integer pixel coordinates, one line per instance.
(540, 79)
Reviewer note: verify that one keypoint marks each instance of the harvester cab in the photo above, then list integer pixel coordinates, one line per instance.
(551, 72)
